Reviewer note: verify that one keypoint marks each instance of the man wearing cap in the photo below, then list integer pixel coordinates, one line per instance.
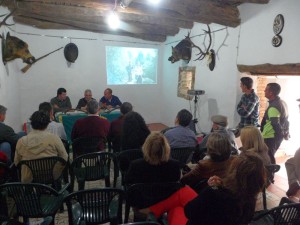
(61, 103)
(249, 104)
(275, 115)
(181, 135)
(219, 124)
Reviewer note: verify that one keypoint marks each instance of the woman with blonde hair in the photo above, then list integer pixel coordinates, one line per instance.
(156, 165)
(252, 140)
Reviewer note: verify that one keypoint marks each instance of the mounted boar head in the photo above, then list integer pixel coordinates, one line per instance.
(182, 50)
(13, 48)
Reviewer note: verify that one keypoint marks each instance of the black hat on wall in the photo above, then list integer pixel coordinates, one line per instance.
(71, 52)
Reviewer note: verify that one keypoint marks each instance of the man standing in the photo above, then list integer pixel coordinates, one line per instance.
(248, 105)
(53, 127)
(61, 103)
(109, 100)
(93, 125)
(8, 138)
(275, 115)
(181, 136)
(82, 104)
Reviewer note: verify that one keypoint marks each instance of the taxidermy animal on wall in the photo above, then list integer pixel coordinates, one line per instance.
(183, 50)
(13, 48)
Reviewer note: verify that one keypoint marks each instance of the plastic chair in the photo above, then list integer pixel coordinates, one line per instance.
(183, 155)
(95, 206)
(142, 223)
(284, 214)
(271, 169)
(143, 195)
(125, 158)
(84, 145)
(43, 170)
(92, 167)
(33, 200)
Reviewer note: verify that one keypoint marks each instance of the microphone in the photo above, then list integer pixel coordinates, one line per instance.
(196, 92)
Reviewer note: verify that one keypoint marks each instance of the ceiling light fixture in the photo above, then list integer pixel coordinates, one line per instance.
(113, 19)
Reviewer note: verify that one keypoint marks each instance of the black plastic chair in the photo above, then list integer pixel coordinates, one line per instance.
(125, 158)
(183, 155)
(92, 167)
(143, 195)
(95, 206)
(33, 200)
(285, 214)
(44, 170)
(271, 169)
(85, 145)
(142, 223)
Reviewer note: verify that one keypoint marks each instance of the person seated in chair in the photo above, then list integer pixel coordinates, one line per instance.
(53, 127)
(109, 100)
(217, 162)
(82, 103)
(39, 143)
(61, 103)
(115, 130)
(219, 125)
(181, 136)
(156, 166)
(228, 201)
(91, 126)
(8, 137)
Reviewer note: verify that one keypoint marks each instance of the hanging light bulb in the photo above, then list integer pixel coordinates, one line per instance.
(113, 20)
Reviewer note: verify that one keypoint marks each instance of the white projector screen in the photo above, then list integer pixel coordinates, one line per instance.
(126, 65)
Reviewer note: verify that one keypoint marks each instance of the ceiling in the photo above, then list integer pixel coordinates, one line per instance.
(139, 19)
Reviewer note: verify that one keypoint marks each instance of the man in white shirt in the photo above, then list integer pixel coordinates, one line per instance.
(53, 127)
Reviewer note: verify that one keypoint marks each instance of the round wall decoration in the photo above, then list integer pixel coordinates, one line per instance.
(278, 24)
(276, 40)
(71, 52)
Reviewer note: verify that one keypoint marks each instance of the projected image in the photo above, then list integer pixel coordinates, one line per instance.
(131, 65)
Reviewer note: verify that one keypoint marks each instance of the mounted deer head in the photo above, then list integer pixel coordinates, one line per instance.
(13, 47)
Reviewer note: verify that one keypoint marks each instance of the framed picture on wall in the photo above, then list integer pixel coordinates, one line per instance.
(186, 81)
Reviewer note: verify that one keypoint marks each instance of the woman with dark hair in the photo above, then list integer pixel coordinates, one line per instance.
(217, 162)
(156, 165)
(134, 131)
(38, 143)
(230, 201)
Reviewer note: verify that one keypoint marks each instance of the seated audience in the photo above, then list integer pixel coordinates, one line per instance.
(156, 166)
(93, 125)
(39, 143)
(61, 103)
(82, 103)
(134, 131)
(219, 125)
(109, 100)
(292, 166)
(53, 127)
(252, 140)
(217, 162)
(8, 137)
(181, 136)
(114, 134)
(230, 201)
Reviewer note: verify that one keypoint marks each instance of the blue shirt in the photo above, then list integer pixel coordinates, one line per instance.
(114, 101)
(181, 137)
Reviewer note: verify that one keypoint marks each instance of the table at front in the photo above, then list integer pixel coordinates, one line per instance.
(69, 120)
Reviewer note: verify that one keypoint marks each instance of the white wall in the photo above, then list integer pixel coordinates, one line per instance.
(257, 33)
(221, 85)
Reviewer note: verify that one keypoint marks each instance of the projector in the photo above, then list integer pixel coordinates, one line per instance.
(196, 92)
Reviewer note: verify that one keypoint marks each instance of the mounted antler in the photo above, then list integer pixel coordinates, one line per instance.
(202, 54)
